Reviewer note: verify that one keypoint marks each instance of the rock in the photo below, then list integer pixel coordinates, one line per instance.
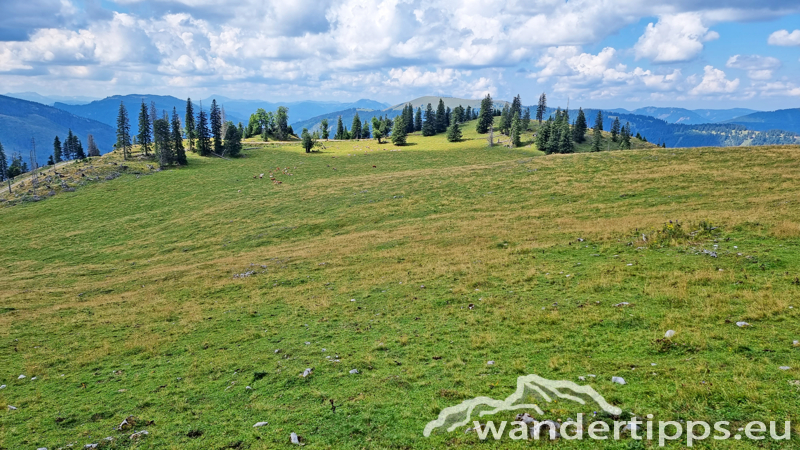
(248, 388)
(796, 343)
(525, 417)
(90, 445)
(307, 372)
(4, 386)
(785, 368)
(669, 334)
(621, 304)
(33, 378)
(127, 424)
(260, 424)
(742, 324)
(295, 439)
(12, 408)
(489, 363)
(354, 371)
(21, 377)
(618, 380)
(582, 378)
(139, 434)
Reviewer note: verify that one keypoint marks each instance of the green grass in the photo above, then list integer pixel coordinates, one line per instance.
(127, 289)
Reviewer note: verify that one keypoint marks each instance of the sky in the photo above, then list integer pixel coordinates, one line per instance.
(590, 53)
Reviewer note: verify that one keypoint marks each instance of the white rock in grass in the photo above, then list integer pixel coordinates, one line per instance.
(21, 377)
(307, 372)
(354, 371)
(91, 445)
(785, 368)
(12, 408)
(4, 386)
(260, 424)
(248, 388)
(42, 448)
(139, 434)
(489, 363)
(669, 334)
(742, 324)
(295, 439)
(582, 378)
(33, 378)
(796, 343)
(618, 380)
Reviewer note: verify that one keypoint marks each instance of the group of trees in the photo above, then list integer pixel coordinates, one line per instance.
(268, 124)
(16, 168)
(555, 135)
(70, 149)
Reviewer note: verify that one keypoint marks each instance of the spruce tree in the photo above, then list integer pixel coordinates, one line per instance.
(123, 132)
(355, 128)
(177, 139)
(486, 115)
(399, 131)
(468, 113)
(91, 146)
(505, 120)
(365, 130)
(77, 148)
(57, 150)
(541, 108)
(161, 142)
(203, 134)
(429, 127)
(215, 119)
(565, 144)
(233, 141)
(597, 137)
(339, 130)
(144, 130)
(441, 118)
(516, 130)
(615, 129)
(625, 142)
(454, 130)
(282, 123)
(50, 162)
(418, 120)
(66, 147)
(526, 119)
(324, 129)
(598, 121)
(579, 130)
(4, 166)
(516, 108)
(408, 118)
(308, 141)
(189, 125)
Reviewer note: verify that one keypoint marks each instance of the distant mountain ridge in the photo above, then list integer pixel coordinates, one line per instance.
(49, 100)
(782, 119)
(21, 120)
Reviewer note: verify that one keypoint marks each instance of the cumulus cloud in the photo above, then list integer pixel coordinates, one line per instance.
(714, 82)
(757, 67)
(675, 38)
(784, 38)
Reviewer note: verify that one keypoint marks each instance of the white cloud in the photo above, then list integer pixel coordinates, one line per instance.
(757, 67)
(675, 38)
(784, 38)
(715, 82)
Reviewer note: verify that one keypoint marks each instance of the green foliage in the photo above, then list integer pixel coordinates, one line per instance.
(615, 129)
(324, 129)
(580, 127)
(57, 148)
(516, 130)
(307, 140)
(143, 138)
(418, 120)
(203, 134)
(526, 120)
(162, 142)
(399, 134)
(485, 117)
(3, 163)
(429, 127)
(215, 119)
(441, 118)
(339, 130)
(541, 108)
(355, 128)
(454, 130)
(282, 123)
(177, 139)
(189, 125)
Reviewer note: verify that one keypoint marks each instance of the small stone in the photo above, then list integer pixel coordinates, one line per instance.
(12, 408)
(621, 304)
(742, 324)
(582, 378)
(652, 364)
(260, 424)
(785, 368)
(248, 388)
(139, 434)
(4, 386)
(21, 377)
(796, 343)
(90, 446)
(33, 378)
(354, 371)
(295, 439)
(669, 334)
(307, 372)
(618, 380)
(308, 343)
(489, 363)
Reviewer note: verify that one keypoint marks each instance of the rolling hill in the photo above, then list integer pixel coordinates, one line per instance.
(450, 102)
(49, 100)
(21, 120)
(782, 119)
(298, 111)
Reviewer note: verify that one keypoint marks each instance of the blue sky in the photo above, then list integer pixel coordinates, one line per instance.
(596, 53)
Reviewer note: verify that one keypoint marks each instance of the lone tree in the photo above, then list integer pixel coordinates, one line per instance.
(454, 131)
(308, 140)
(57, 150)
(123, 133)
(441, 118)
(355, 128)
(233, 141)
(486, 116)
(216, 126)
(92, 147)
(429, 127)
(339, 129)
(399, 131)
(189, 124)
(324, 129)
(144, 130)
(177, 139)
(516, 130)
(541, 108)
(378, 129)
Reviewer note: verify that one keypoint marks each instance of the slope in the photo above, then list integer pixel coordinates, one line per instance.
(21, 120)
(451, 102)
(783, 119)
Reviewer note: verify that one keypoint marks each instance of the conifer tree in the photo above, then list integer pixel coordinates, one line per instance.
(418, 120)
(625, 135)
(324, 129)
(579, 130)
(56, 150)
(441, 118)
(468, 113)
(615, 129)
(526, 119)
(429, 127)
(598, 121)
(203, 134)
(92, 149)
(189, 125)
(153, 115)
(365, 130)
(308, 140)
(282, 123)
(4, 166)
(408, 118)
(66, 147)
(177, 139)
(486, 115)
(50, 162)
(77, 148)
(339, 130)
(597, 136)
(233, 141)
(454, 130)
(505, 120)
(123, 133)
(144, 130)
(516, 108)
(541, 108)
(516, 130)
(565, 144)
(161, 142)
(399, 131)
(215, 120)
(355, 128)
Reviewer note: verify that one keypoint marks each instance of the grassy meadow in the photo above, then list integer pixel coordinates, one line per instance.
(194, 298)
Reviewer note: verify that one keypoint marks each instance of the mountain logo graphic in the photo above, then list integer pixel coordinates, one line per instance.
(528, 387)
